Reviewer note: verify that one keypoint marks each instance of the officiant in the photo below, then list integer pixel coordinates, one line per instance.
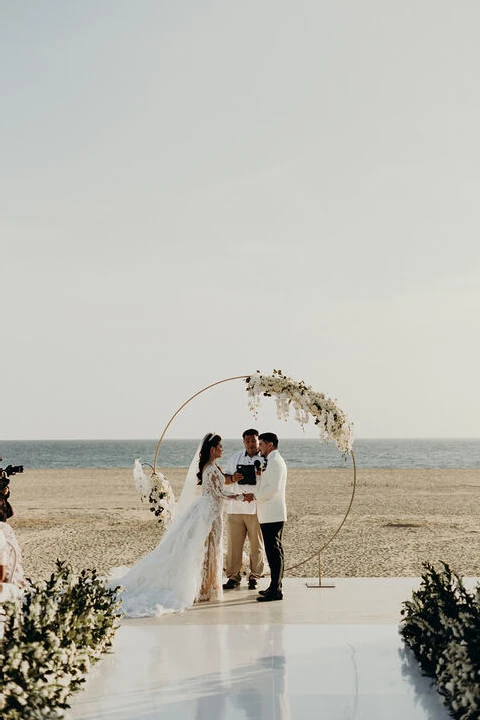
(241, 472)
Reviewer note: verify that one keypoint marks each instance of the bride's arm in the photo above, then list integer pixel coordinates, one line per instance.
(217, 484)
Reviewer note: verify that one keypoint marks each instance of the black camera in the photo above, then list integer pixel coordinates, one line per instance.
(11, 470)
(5, 474)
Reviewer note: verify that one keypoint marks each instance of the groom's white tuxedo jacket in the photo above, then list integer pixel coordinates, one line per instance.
(271, 503)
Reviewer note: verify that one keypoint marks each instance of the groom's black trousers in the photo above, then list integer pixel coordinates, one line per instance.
(272, 539)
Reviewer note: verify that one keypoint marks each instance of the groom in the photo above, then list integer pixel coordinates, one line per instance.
(271, 512)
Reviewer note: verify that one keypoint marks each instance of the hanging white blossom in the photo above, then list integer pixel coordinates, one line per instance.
(157, 491)
(332, 422)
(141, 481)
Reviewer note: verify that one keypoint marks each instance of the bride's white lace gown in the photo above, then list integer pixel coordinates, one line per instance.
(187, 563)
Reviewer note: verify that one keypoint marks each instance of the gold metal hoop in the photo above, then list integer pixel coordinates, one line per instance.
(219, 382)
(244, 377)
(318, 552)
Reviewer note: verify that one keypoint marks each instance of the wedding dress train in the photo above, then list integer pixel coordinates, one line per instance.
(187, 563)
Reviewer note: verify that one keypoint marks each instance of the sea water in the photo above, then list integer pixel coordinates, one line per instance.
(298, 453)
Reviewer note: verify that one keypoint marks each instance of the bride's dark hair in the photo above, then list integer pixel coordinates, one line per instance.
(210, 441)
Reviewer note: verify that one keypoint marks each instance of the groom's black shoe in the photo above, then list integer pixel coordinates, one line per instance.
(270, 596)
(264, 592)
(230, 584)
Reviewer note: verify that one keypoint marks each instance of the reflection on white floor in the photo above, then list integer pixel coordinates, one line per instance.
(268, 672)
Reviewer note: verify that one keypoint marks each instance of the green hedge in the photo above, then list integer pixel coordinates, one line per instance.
(441, 624)
(51, 639)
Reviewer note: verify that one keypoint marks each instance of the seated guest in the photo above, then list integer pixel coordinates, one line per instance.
(11, 570)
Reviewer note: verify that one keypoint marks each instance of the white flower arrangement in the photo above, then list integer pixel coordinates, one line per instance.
(51, 638)
(157, 491)
(332, 422)
(441, 625)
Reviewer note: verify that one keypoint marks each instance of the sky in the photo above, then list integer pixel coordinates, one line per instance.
(191, 191)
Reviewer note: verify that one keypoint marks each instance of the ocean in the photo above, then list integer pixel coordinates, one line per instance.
(299, 453)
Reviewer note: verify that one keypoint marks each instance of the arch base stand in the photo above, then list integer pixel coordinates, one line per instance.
(320, 584)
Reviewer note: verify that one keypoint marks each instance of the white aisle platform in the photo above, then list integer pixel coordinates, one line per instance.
(333, 654)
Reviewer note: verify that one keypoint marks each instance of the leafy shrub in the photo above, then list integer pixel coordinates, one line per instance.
(50, 640)
(441, 624)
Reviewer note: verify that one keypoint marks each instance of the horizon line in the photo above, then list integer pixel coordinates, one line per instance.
(145, 439)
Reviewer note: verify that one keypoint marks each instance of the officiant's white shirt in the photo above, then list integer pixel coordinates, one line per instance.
(239, 507)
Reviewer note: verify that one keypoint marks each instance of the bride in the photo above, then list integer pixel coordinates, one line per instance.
(186, 565)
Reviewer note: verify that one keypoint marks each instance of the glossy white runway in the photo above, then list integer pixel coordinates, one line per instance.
(198, 665)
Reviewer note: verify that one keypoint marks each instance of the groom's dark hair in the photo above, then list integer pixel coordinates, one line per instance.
(251, 431)
(269, 437)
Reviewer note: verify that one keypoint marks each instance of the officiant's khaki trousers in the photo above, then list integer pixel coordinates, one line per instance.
(239, 526)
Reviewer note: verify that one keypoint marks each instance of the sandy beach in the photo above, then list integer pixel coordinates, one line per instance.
(399, 518)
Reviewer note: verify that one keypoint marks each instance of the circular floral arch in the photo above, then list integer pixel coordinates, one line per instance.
(331, 421)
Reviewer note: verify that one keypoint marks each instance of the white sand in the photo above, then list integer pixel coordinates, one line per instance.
(399, 518)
